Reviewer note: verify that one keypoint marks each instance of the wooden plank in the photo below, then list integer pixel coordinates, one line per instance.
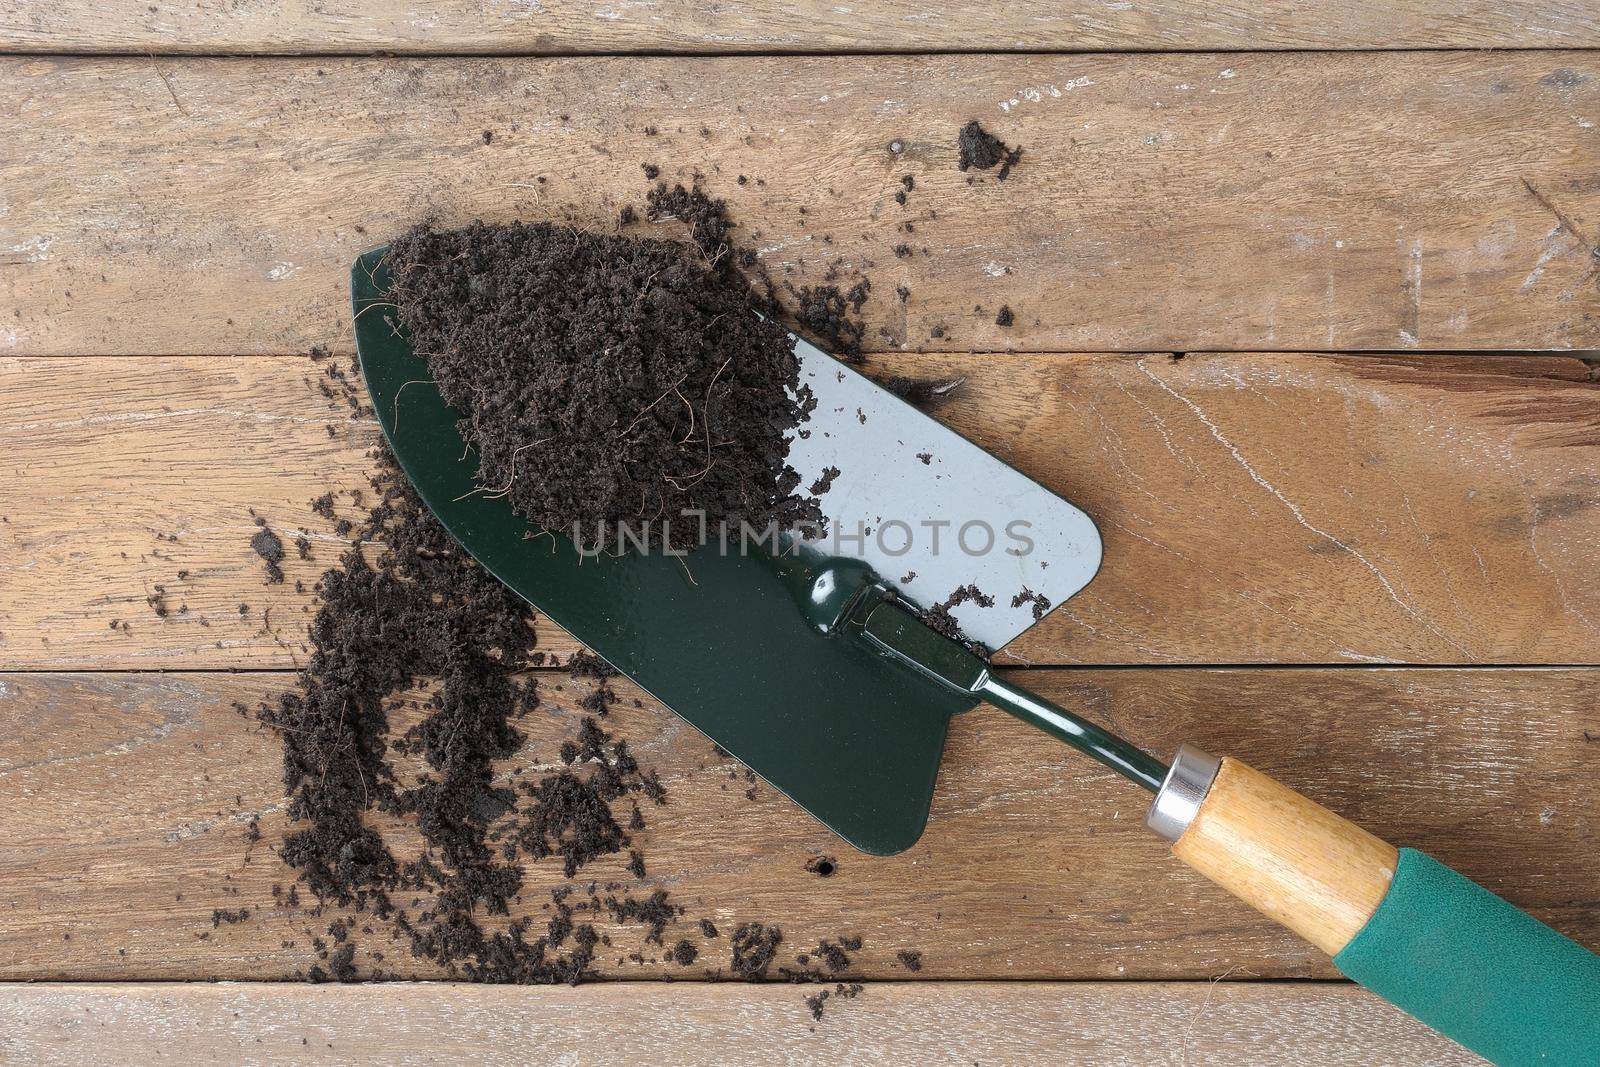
(179, 461)
(1179, 202)
(690, 26)
(1225, 1023)
(1255, 508)
(124, 801)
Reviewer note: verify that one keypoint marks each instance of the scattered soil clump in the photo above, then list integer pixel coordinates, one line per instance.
(269, 547)
(835, 958)
(825, 481)
(841, 991)
(831, 315)
(981, 150)
(705, 217)
(754, 946)
(570, 813)
(586, 666)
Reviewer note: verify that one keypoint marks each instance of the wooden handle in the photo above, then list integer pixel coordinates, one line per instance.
(1288, 857)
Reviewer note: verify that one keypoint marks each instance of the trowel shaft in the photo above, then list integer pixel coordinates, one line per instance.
(905, 637)
(1128, 760)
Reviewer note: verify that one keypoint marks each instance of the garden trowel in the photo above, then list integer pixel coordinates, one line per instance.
(830, 660)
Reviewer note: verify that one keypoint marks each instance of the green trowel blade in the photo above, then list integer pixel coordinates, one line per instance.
(721, 638)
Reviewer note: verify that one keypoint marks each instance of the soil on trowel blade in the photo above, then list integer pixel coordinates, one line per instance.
(606, 379)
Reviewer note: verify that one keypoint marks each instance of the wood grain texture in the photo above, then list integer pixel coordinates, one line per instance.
(694, 26)
(1123, 1023)
(1255, 508)
(1440, 201)
(1290, 858)
(124, 801)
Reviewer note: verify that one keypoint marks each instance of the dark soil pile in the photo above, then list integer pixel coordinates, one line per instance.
(981, 150)
(607, 379)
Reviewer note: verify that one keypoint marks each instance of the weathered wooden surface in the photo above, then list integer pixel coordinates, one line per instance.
(1178, 202)
(1255, 508)
(124, 802)
(693, 26)
(1120, 1023)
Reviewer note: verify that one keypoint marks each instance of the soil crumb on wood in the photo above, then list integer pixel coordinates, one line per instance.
(269, 547)
(705, 219)
(909, 959)
(754, 946)
(816, 1001)
(982, 150)
(587, 666)
(834, 957)
(608, 379)
(830, 314)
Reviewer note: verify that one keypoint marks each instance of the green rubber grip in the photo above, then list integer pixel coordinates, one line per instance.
(1484, 974)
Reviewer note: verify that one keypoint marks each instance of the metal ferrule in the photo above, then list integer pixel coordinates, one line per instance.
(1182, 792)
